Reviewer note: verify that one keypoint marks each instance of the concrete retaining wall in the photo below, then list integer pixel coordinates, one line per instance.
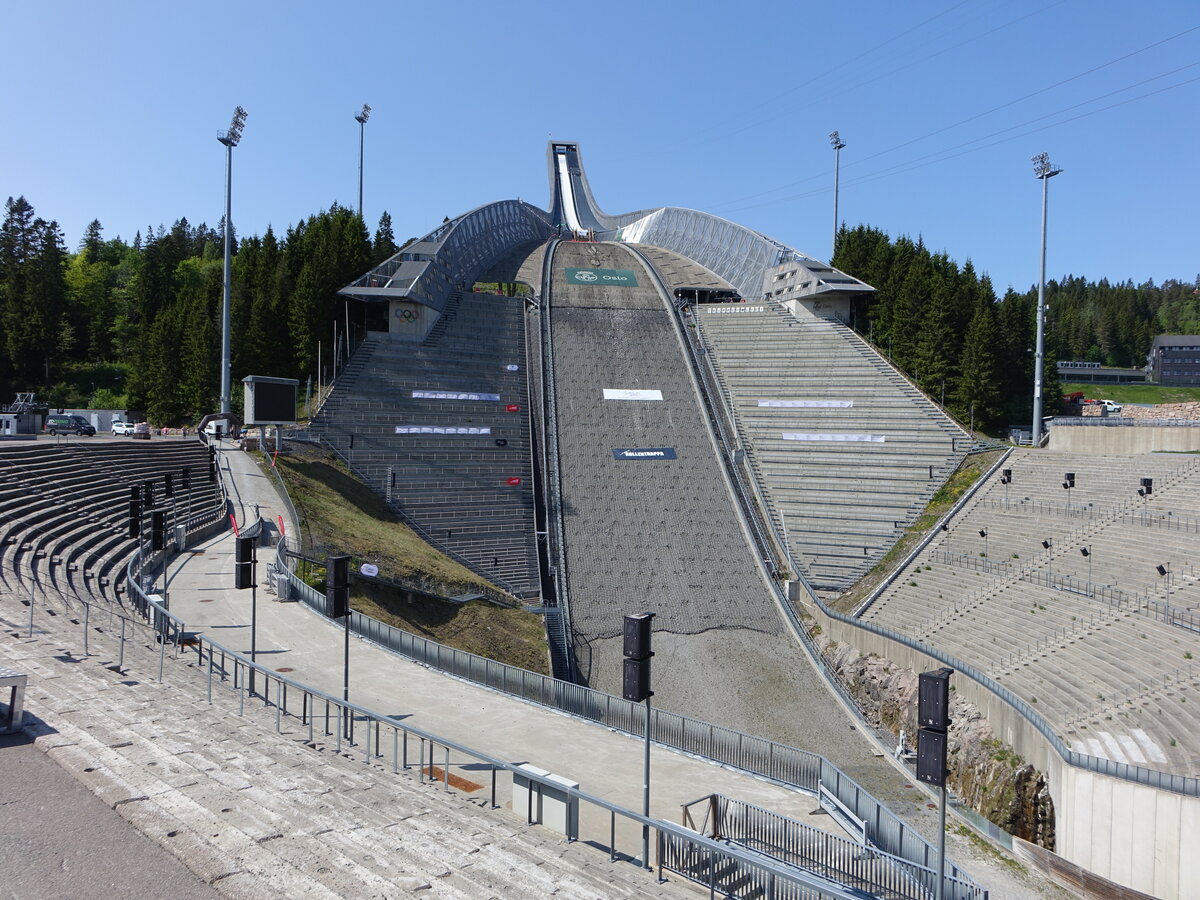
(1129, 833)
(1123, 440)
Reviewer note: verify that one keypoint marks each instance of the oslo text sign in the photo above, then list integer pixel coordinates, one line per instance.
(602, 277)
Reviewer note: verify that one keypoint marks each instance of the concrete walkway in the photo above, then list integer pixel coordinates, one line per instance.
(309, 648)
(605, 763)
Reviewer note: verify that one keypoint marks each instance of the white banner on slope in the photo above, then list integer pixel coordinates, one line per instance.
(453, 395)
(809, 404)
(799, 436)
(621, 394)
(441, 429)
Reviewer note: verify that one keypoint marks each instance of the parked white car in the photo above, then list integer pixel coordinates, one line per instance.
(122, 428)
(1111, 406)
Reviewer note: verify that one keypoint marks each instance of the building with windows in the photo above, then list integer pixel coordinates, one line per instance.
(1175, 359)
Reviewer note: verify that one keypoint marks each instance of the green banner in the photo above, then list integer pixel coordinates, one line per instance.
(602, 277)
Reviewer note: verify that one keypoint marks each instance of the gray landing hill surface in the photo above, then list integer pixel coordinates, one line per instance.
(664, 535)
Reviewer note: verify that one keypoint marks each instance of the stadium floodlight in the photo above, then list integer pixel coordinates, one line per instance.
(361, 119)
(1044, 170)
(230, 139)
(836, 142)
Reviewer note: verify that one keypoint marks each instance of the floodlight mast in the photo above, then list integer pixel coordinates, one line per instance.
(230, 139)
(836, 142)
(1043, 169)
(361, 119)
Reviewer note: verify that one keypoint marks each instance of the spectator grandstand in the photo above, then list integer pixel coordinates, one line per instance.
(1094, 640)
(846, 450)
(69, 528)
(439, 429)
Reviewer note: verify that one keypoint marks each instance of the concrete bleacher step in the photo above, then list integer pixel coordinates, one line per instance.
(261, 814)
(447, 485)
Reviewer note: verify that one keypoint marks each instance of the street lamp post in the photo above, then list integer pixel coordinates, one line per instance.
(361, 119)
(836, 142)
(230, 139)
(1043, 169)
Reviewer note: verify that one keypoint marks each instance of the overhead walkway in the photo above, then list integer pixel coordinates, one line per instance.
(847, 451)
(441, 430)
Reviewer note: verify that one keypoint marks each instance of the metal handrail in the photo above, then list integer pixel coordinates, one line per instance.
(556, 530)
(233, 666)
(801, 769)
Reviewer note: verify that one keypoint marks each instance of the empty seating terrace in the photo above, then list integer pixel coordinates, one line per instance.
(1102, 650)
(66, 507)
(446, 423)
(868, 451)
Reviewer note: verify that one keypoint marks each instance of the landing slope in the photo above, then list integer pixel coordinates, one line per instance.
(663, 534)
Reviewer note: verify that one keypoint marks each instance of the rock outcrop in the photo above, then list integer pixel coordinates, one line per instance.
(986, 775)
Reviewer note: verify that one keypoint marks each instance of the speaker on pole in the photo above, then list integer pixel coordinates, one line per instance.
(185, 480)
(637, 636)
(243, 563)
(158, 529)
(168, 484)
(148, 494)
(635, 681)
(933, 700)
(135, 517)
(931, 756)
(337, 581)
(635, 685)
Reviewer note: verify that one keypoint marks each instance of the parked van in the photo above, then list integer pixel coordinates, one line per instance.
(72, 424)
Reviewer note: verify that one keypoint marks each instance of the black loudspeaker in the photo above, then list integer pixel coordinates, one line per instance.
(168, 484)
(135, 517)
(148, 494)
(337, 580)
(185, 480)
(158, 529)
(338, 570)
(243, 563)
(1007, 473)
(931, 756)
(1070, 478)
(243, 551)
(338, 601)
(635, 686)
(1148, 486)
(637, 636)
(933, 699)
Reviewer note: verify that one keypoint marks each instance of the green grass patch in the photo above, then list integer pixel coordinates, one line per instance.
(340, 514)
(1134, 393)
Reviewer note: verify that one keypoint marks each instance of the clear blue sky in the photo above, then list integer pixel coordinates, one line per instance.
(112, 111)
